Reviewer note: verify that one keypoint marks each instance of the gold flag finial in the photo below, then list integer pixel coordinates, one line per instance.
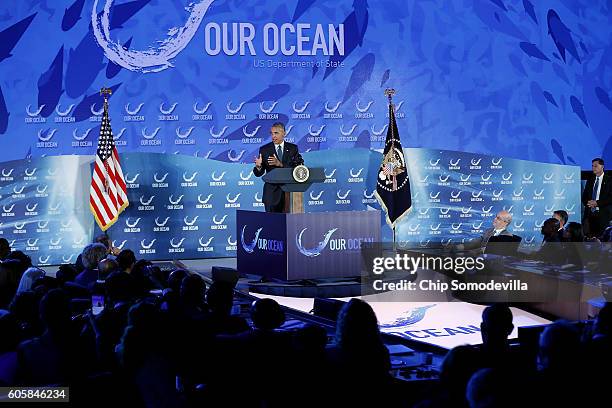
(390, 92)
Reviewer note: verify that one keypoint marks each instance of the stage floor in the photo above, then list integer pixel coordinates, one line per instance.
(445, 323)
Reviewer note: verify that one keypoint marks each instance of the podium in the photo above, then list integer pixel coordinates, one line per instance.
(304, 245)
(294, 191)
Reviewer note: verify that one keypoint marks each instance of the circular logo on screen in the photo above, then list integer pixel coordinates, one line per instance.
(301, 173)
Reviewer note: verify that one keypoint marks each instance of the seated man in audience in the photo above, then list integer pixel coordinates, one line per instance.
(92, 254)
(5, 248)
(500, 224)
(495, 328)
(562, 216)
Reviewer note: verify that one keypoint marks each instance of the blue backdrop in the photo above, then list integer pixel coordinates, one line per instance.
(523, 79)
(185, 207)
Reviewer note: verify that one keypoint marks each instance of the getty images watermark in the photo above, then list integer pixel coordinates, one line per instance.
(438, 275)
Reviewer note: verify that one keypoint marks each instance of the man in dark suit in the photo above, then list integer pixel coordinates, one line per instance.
(276, 154)
(500, 225)
(562, 216)
(597, 200)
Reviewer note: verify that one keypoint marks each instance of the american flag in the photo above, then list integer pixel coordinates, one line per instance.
(108, 193)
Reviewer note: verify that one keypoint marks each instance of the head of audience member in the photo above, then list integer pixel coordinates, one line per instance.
(44, 284)
(458, 366)
(29, 277)
(496, 326)
(489, 388)
(10, 332)
(192, 290)
(92, 254)
(119, 287)
(558, 348)
(574, 232)
(562, 216)
(597, 165)
(175, 278)
(310, 340)
(104, 240)
(550, 228)
(220, 298)
(502, 220)
(126, 260)
(5, 248)
(24, 306)
(602, 326)
(65, 273)
(267, 314)
(55, 311)
(357, 325)
(106, 267)
(24, 260)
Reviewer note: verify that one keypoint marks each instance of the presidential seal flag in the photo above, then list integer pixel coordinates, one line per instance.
(108, 192)
(392, 183)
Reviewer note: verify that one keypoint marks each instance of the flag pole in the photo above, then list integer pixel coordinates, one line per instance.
(105, 92)
(390, 92)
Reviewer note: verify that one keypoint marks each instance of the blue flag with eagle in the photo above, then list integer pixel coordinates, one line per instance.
(392, 182)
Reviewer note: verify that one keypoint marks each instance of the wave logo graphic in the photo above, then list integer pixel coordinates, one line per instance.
(316, 251)
(184, 135)
(190, 178)
(433, 162)
(314, 196)
(347, 132)
(163, 223)
(203, 110)
(205, 201)
(81, 137)
(378, 132)
(146, 202)
(135, 111)
(249, 247)
(246, 133)
(300, 110)
(120, 246)
(218, 134)
(95, 112)
(328, 109)
(217, 178)
(454, 163)
(149, 136)
(230, 199)
(365, 109)
(154, 59)
(149, 245)
(132, 224)
(233, 158)
(247, 177)
(413, 316)
(8, 173)
(496, 162)
(190, 222)
(330, 175)
(168, 111)
(312, 132)
(221, 221)
(160, 180)
(205, 244)
(475, 162)
(262, 107)
(65, 112)
(47, 135)
(133, 179)
(173, 201)
(36, 112)
(176, 245)
(237, 109)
